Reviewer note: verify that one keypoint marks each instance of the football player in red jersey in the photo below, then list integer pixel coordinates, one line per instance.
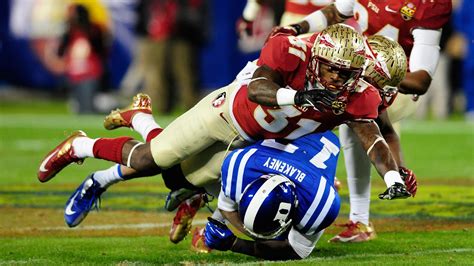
(416, 25)
(295, 88)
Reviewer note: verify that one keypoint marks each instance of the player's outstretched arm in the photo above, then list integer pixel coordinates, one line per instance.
(379, 153)
(392, 138)
(319, 20)
(375, 145)
(393, 142)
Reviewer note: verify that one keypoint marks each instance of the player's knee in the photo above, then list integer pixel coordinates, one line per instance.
(141, 158)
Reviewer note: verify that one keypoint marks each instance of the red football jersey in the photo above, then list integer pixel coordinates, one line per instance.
(398, 18)
(290, 57)
(305, 7)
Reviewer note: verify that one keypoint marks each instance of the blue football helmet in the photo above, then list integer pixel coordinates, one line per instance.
(267, 206)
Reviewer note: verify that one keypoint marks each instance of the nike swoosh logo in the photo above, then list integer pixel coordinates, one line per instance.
(43, 164)
(221, 233)
(388, 9)
(69, 210)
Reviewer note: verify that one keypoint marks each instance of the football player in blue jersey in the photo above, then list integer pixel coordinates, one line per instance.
(280, 194)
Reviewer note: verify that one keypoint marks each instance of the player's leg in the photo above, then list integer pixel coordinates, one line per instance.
(78, 146)
(202, 126)
(189, 134)
(358, 180)
(86, 196)
(402, 107)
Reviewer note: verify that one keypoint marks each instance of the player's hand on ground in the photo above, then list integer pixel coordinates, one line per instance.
(218, 236)
(410, 180)
(244, 28)
(314, 98)
(396, 191)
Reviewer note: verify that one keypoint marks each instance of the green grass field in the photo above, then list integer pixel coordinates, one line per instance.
(436, 227)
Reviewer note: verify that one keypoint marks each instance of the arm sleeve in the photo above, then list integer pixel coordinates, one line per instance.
(425, 52)
(251, 10)
(225, 203)
(303, 245)
(345, 7)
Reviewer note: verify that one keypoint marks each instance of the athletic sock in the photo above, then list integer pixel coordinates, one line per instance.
(110, 149)
(109, 176)
(143, 124)
(155, 132)
(83, 147)
(359, 200)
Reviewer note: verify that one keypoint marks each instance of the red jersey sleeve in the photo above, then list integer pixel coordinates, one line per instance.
(365, 105)
(277, 54)
(434, 14)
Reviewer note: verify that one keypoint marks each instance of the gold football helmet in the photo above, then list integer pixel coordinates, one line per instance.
(387, 64)
(341, 48)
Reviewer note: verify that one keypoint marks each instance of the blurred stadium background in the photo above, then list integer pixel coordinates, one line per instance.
(132, 229)
(31, 29)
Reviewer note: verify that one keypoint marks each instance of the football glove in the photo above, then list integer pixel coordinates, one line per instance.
(396, 191)
(218, 236)
(244, 27)
(410, 180)
(315, 98)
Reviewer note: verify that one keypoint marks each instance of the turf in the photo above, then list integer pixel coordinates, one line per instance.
(435, 227)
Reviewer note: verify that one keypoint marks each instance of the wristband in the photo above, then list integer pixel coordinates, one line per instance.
(391, 177)
(285, 96)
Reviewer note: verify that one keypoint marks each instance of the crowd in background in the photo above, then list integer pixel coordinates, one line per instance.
(168, 38)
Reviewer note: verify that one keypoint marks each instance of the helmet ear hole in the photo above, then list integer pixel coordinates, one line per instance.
(267, 205)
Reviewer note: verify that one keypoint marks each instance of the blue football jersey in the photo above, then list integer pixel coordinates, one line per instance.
(309, 161)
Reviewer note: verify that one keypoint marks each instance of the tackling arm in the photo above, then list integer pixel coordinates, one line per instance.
(393, 141)
(375, 145)
(377, 150)
(265, 89)
(264, 86)
(379, 153)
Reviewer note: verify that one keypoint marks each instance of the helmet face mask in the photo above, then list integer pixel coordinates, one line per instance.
(267, 205)
(386, 66)
(340, 49)
(334, 78)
